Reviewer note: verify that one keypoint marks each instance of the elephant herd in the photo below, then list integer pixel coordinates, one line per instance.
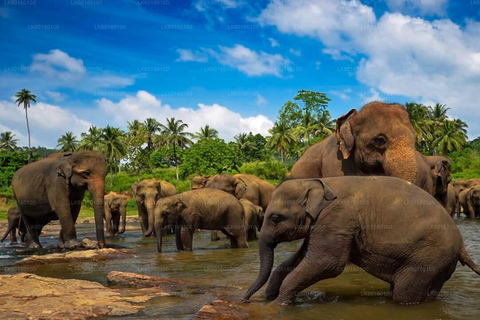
(354, 197)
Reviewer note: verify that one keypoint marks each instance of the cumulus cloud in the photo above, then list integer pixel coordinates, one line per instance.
(47, 122)
(274, 43)
(189, 55)
(144, 105)
(420, 59)
(260, 100)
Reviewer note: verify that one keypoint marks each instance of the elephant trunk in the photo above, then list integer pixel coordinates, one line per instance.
(266, 251)
(96, 190)
(400, 159)
(159, 234)
(150, 206)
(123, 213)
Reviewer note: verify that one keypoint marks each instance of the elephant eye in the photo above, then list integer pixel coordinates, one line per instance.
(275, 218)
(86, 173)
(379, 141)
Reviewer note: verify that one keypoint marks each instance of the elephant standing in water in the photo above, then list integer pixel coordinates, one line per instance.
(386, 226)
(204, 208)
(14, 223)
(54, 187)
(115, 208)
(377, 140)
(470, 201)
(146, 194)
(253, 218)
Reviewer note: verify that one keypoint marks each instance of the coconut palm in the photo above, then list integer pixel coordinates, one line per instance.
(451, 136)
(92, 139)
(113, 147)
(206, 132)
(281, 139)
(151, 127)
(25, 96)
(326, 125)
(243, 142)
(68, 142)
(438, 113)
(8, 142)
(173, 134)
(136, 128)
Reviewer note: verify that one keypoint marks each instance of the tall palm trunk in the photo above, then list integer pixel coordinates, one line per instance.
(28, 125)
(176, 161)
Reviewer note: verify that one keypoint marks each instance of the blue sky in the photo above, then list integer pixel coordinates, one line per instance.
(230, 63)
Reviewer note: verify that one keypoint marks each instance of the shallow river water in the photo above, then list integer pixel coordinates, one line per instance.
(353, 295)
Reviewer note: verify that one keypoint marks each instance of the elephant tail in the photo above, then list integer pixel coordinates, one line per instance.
(466, 260)
(10, 228)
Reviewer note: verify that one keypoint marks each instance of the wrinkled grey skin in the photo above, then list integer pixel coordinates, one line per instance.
(54, 187)
(14, 223)
(146, 194)
(452, 201)
(115, 208)
(441, 177)
(205, 208)
(350, 219)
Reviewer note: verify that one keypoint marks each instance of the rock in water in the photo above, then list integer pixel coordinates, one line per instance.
(28, 296)
(100, 254)
(221, 310)
(90, 244)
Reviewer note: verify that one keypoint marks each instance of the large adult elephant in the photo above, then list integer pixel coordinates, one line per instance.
(245, 186)
(115, 208)
(377, 140)
(354, 220)
(146, 194)
(54, 187)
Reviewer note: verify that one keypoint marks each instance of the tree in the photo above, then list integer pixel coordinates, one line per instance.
(438, 113)
(256, 148)
(281, 139)
(138, 157)
(7, 142)
(68, 142)
(451, 136)
(151, 127)
(91, 140)
(206, 132)
(211, 156)
(114, 148)
(25, 96)
(173, 134)
(243, 142)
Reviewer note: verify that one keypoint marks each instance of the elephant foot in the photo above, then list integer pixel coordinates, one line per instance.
(72, 244)
(34, 245)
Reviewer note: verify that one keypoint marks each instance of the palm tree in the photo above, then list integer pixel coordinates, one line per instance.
(151, 126)
(174, 135)
(451, 136)
(422, 124)
(68, 142)
(24, 96)
(206, 132)
(7, 142)
(438, 113)
(281, 139)
(91, 140)
(243, 142)
(114, 148)
(326, 125)
(136, 128)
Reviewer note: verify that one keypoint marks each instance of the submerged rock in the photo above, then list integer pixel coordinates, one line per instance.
(99, 254)
(221, 310)
(89, 243)
(136, 280)
(28, 296)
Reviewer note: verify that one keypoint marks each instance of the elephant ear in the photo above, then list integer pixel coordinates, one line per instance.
(179, 205)
(442, 173)
(65, 168)
(344, 134)
(240, 188)
(158, 186)
(134, 189)
(318, 198)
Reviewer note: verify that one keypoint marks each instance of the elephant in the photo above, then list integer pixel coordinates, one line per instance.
(377, 140)
(146, 194)
(201, 182)
(471, 202)
(433, 176)
(385, 225)
(244, 186)
(115, 207)
(253, 218)
(204, 208)
(461, 185)
(14, 223)
(54, 187)
(452, 201)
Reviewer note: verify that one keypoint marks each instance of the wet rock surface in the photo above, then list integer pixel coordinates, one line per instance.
(28, 296)
(99, 254)
(221, 310)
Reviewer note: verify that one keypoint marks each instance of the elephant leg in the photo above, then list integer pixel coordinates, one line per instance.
(214, 235)
(178, 237)
(277, 277)
(238, 237)
(13, 234)
(251, 233)
(116, 223)
(32, 236)
(187, 238)
(233, 240)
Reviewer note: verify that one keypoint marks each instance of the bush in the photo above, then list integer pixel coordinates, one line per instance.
(269, 170)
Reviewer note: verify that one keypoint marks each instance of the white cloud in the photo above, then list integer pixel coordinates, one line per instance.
(317, 65)
(373, 95)
(189, 55)
(297, 53)
(250, 62)
(47, 123)
(342, 94)
(144, 105)
(274, 43)
(422, 60)
(424, 7)
(260, 100)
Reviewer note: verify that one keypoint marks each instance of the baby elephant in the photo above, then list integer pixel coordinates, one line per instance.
(387, 226)
(115, 208)
(253, 218)
(208, 209)
(14, 222)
